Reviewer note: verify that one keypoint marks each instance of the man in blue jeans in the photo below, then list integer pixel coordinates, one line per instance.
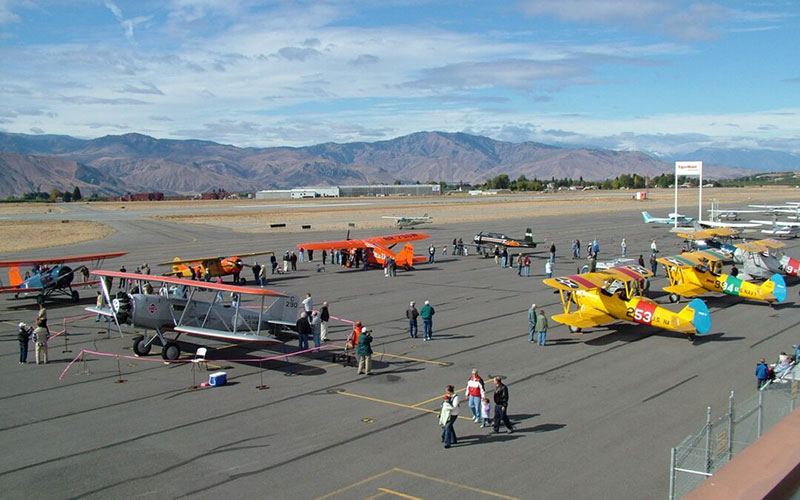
(501, 405)
(412, 314)
(427, 313)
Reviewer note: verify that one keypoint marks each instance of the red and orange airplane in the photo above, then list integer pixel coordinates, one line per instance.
(216, 266)
(45, 281)
(376, 249)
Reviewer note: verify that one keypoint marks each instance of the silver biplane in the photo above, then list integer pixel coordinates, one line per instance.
(175, 307)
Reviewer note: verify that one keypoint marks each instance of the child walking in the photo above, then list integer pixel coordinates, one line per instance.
(486, 407)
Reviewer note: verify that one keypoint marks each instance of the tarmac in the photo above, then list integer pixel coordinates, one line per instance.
(595, 414)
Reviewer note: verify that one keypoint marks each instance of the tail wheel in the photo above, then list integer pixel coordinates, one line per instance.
(75, 297)
(573, 329)
(242, 282)
(692, 337)
(171, 351)
(140, 347)
(674, 297)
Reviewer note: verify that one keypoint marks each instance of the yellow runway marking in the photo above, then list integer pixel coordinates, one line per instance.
(385, 491)
(457, 485)
(435, 398)
(398, 494)
(401, 405)
(440, 363)
(359, 483)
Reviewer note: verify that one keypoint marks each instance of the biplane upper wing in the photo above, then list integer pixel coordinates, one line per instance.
(682, 260)
(588, 281)
(393, 239)
(704, 234)
(191, 283)
(336, 245)
(200, 260)
(62, 260)
(627, 273)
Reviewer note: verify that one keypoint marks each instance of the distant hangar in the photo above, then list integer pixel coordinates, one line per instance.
(351, 191)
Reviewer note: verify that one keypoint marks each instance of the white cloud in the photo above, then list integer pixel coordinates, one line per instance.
(6, 16)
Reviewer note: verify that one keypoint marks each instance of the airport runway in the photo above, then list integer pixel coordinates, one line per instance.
(595, 414)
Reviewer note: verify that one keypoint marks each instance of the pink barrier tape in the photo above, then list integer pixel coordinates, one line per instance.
(186, 360)
(69, 318)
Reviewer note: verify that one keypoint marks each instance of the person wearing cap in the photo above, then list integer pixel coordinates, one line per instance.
(427, 313)
(303, 331)
(364, 352)
(531, 322)
(22, 336)
(412, 314)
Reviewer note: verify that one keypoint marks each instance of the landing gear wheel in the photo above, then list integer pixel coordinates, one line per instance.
(573, 329)
(692, 337)
(171, 351)
(75, 297)
(242, 282)
(140, 347)
(674, 297)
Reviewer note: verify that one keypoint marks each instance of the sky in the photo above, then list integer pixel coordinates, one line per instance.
(660, 76)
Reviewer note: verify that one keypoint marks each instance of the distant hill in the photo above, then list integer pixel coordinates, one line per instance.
(136, 162)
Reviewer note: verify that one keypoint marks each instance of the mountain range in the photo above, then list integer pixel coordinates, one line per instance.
(117, 164)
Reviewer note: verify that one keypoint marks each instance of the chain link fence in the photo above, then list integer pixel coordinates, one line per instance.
(701, 455)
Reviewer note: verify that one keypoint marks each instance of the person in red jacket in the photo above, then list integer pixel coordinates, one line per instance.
(475, 392)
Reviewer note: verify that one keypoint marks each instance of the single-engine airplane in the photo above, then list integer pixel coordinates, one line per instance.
(697, 273)
(215, 266)
(670, 219)
(45, 281)
(409, 220)
(376, 249)
(611, 295)
(482, 240)
(178, 310)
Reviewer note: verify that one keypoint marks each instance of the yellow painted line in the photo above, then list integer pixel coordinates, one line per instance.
(378, 495)
(358, 483)
(437, 397)
(398, 494)
(401, 405)
(441, 363)
(457, 485)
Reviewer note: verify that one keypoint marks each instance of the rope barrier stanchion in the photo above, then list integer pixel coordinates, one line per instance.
(66, 335)
(261, 386)
(120, 380)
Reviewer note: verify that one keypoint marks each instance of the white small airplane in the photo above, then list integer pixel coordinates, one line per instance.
(780, 228)
(715, 223)
(682, 219)
(409, 221)
(733, 214)
(179, 311)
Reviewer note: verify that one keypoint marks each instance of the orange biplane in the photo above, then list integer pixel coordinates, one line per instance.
(375, 250)
(51, 276)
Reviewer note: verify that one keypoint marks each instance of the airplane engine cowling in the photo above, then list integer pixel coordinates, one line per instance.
(123, 307)
(61, 276)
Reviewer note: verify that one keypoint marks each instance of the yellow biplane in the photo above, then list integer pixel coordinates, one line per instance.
(696, 273)
(211, 267)
(607, 296)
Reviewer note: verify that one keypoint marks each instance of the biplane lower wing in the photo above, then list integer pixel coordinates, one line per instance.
(685, 290)
(218, 334)
(584, 319)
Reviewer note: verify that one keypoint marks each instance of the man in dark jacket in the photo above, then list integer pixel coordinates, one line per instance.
(303, 331)
(364, 352)
(324, 317)
(22, 336)
(501, 405)
(412, 314)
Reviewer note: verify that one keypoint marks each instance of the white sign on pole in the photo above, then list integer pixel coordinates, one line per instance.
(689, 169)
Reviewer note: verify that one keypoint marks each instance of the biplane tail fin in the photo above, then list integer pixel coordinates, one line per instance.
(283, 311)
(14, 277)
(176, 269)
(775, 286)
(528, 235)
(698, 315)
